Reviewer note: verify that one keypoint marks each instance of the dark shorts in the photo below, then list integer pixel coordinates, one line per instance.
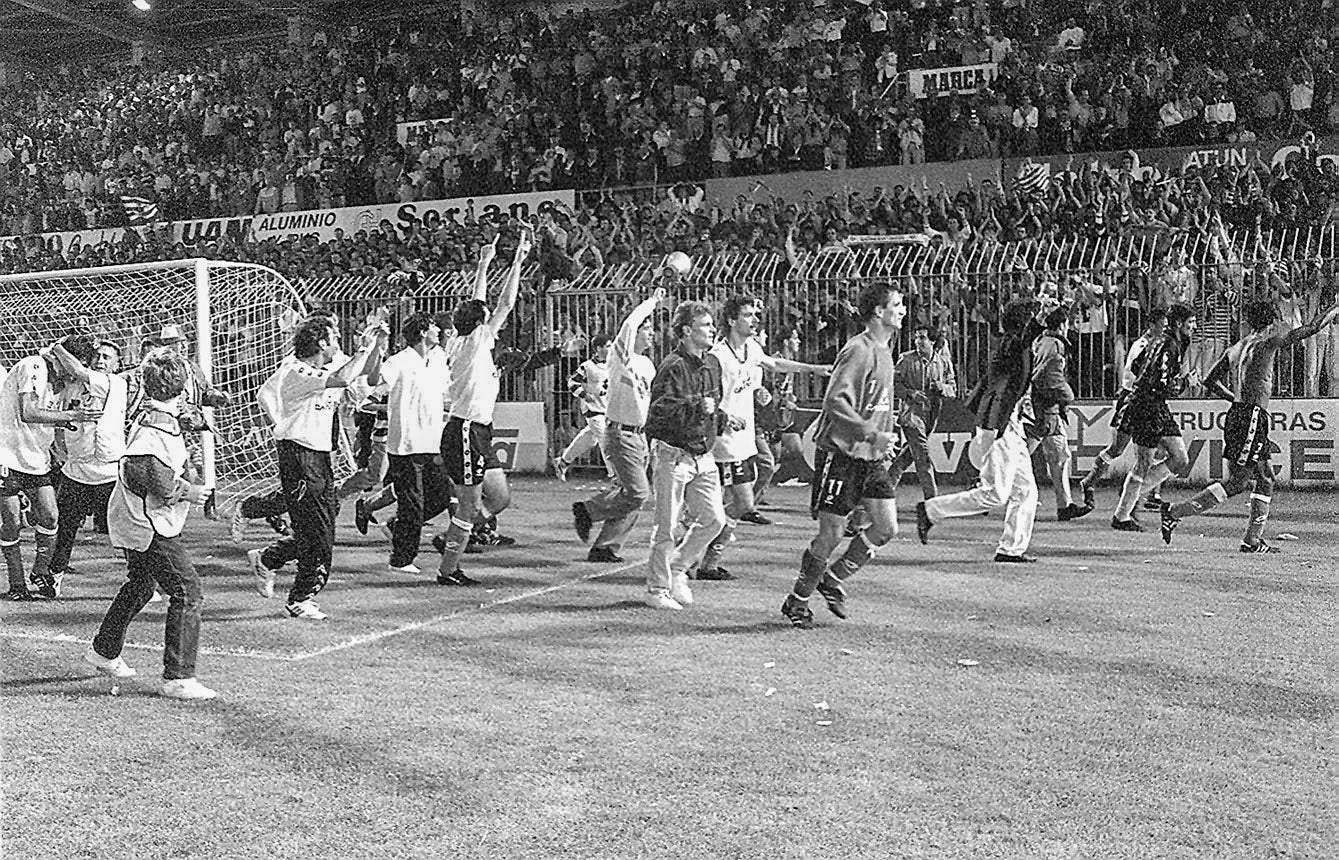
(15, 482)
(1246, 434)
(841, 482)
(1118, 411)
(1148, 422)
(735, 472)
(467, 451)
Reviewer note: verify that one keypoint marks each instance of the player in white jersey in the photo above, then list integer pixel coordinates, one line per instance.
(625, 450)
(742, 361)
(93, 452)
(415, 379)
(467, 441)
(1120, 439)
(30, 412)
(302, 397)
(590, 385)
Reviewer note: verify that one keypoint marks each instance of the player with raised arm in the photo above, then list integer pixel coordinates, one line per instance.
(1160, 451)
(30, 412)
(590, 386)
(302, 397)
(856, 430)
(92, 452)
(467, 440)
(1135, 358)
(742, 361)
(1250, 362)
(146, 515)
(625, 450)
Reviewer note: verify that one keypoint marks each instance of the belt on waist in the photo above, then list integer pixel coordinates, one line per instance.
(590, 414)
(627, 428)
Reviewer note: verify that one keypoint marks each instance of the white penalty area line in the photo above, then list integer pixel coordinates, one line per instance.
(370, 638)
(354, 642)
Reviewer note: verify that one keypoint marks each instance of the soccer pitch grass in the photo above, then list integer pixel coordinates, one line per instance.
(1118, 699)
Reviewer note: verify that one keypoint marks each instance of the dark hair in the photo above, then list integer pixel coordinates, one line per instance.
(1260, 314)
(1056, 318)
(1179, 313)
(733, 306)
(931, 330)
(686, 314)
(413, 326)
(872, 297)
(599, 340)
(308, 335)
(1156, 314)
(1016, 315)
(164, 374)
(469, 315)
(80, 346)
(443, 321)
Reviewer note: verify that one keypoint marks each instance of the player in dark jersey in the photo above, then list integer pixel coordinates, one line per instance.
(1250, 361)
(1161, 452)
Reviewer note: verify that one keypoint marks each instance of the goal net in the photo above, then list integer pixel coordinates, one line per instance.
(236, 318)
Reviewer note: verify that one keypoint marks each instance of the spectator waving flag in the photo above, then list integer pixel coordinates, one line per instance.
(139, 210)
(1031, 179)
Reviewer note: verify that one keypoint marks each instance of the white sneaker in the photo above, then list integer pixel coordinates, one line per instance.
(237, 525)
(116, 668)
(264, 576)
(560, 468)
(306, 609)
(410, 568)
(187, 688)
(661, 600)
(682, 594)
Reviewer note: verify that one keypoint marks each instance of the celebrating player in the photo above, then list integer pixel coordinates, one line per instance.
(146, 515)
(1150, 423)
(856, 430)
(467, 440)
(29, 415)
(625, 449)
(92, 451)
(1135, 358)
(1249, 361)
(301, 398)
(741, 360)
(590, 385)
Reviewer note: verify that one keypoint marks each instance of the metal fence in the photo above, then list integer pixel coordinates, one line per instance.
(1110, 283)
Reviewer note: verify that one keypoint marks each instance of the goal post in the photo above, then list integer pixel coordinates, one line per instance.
(237, 319)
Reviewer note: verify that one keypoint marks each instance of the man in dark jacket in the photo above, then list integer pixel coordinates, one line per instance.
(682, 422)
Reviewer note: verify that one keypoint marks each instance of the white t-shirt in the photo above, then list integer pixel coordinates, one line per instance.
(26, 447)
(415, 387)
(93, 451)
(474, 378)
(741, 376)
(306, 408)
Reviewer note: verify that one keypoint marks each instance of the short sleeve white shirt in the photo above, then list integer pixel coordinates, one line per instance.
(306, 407)
(741, 376)
(414, 390)
(474, 378)
(26, 447)
(93, 451)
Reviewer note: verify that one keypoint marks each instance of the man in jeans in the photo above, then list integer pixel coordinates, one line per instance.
(145, 516)
(301, 397)
(682, 422)
(630, 375)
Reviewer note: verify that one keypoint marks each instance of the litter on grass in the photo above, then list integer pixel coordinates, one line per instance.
(1207, 614)
(769, 664)
(847, 651)
(969, 663)
(1083, 568)
(1287, 536)
(823, 723)
(771, 691)
(822, 706)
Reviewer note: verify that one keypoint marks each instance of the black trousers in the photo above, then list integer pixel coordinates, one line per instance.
(408, 474)
(166, 563)
(75, 501)
(308, 483)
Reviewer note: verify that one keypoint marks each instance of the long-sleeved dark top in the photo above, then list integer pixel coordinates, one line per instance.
(677, 414)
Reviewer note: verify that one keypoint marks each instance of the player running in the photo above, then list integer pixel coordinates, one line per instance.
(1249, 361)
(590, 386)
(1149, 422)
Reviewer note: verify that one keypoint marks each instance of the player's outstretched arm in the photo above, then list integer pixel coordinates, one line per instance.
(1215, 380)
(512, 286)
(1312, 328)
(486, 255)
(626, 338)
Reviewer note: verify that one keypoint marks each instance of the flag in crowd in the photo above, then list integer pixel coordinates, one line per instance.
(1031, 179)
(139, 210)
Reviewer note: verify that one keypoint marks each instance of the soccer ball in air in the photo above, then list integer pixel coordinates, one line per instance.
(679, 262)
